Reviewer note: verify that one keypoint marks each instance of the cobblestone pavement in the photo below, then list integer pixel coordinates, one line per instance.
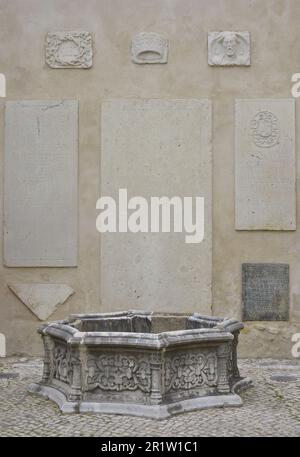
(271, 408)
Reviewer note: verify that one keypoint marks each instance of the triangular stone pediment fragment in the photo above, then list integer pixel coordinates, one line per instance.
(42, 299)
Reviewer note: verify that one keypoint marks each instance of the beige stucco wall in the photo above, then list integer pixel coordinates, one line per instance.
(275, 56)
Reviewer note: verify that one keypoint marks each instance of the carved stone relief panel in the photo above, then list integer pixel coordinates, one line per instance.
(188, 371)
(265, 129)
(149, 47)
(229, 48)
(70, 49)
(118, 372)
(62, 368)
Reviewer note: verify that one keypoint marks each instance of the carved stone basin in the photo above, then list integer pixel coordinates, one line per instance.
(140, 363)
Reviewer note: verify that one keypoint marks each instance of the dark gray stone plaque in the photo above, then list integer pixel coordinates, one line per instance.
(265, 291)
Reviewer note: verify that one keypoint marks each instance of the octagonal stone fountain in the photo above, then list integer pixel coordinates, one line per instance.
(140, 363)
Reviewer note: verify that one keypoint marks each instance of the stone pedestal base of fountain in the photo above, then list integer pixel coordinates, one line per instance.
(144, 364)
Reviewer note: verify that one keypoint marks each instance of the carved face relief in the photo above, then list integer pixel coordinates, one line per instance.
(149, 47)
(264, 129)
(69, 50)
(230, 44)
(228, 48)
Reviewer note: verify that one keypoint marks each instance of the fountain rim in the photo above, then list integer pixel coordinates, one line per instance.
(222, 331)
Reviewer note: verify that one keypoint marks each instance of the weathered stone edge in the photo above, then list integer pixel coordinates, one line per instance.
(153, 411)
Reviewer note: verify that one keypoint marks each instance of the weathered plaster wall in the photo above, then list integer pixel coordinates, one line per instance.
(275, 40)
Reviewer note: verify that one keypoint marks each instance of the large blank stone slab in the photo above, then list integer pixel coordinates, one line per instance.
(265, 193)
(265, 291)
(156, 148)
(40, 191)
(42, 299)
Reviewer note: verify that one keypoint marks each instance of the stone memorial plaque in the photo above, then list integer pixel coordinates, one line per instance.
(144, 145)
(265, 291)
(265, 190)
(40, 189)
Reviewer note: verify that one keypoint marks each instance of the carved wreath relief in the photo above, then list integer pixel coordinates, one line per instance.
(188, 371)
(229, 48)
(118, 372)
(69, 49)
(264, 129)
(149, 47)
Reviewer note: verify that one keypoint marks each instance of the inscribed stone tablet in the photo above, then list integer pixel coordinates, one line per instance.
(265, 194)
(265, 291)
(40, 191)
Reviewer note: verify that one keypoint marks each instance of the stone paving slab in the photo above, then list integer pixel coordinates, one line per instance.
(271, 408)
